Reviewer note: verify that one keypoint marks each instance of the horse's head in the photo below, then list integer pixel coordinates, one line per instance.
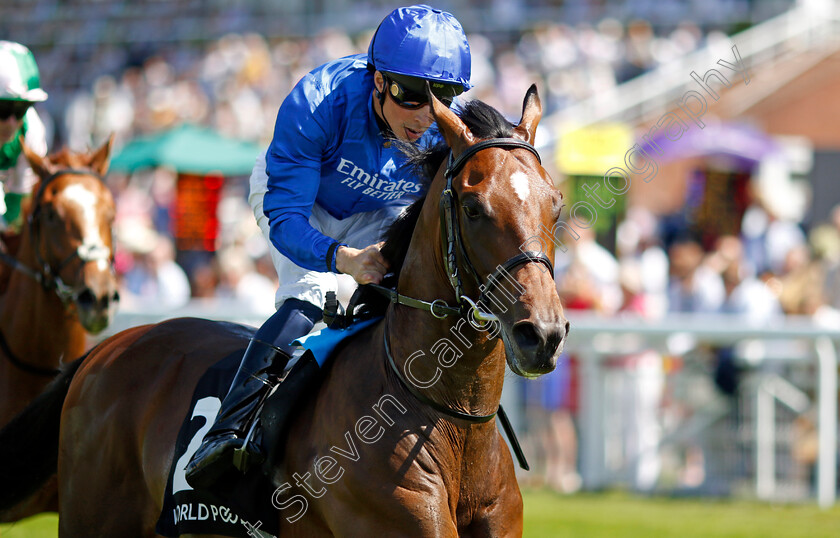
(502, 202)
(68, 233)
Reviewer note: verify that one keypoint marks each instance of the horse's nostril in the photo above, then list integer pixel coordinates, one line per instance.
(86, 298)
(526, 335)
(567, 328)
(116, 297)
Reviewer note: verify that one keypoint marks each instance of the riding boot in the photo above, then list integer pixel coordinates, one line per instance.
(259, 369)
(249, 387)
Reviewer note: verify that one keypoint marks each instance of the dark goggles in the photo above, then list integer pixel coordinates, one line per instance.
(410, 99)
(13, 108)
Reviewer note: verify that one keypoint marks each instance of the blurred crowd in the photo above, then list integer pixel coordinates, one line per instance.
(236, 84)
(772, 268)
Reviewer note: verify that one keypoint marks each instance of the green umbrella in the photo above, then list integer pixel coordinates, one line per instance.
(188, 149)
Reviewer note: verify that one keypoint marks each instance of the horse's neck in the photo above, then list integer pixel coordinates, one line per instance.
(450, 362)
(34, 321)
(467, 365)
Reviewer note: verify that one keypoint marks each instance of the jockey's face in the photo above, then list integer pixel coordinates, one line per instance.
(11, 119)
(408, 125)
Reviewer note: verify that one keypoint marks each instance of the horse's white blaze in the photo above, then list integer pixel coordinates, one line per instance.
(86, 200)
(520, 185)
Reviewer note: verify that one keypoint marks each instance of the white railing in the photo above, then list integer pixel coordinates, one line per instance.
(790, 340)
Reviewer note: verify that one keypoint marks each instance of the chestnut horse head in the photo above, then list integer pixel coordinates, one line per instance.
(496, 201)
(66, 241)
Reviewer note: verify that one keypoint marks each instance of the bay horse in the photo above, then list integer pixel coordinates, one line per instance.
(407, 406)
(60, 284)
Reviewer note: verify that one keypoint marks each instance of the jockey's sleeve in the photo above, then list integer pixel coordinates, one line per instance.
(302, 134)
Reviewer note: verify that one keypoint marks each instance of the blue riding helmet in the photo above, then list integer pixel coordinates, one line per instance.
(420, 41)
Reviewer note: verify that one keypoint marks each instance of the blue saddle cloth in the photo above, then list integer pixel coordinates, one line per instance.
(322, 343)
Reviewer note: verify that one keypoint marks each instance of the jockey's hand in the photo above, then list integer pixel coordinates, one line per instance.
(365, 266)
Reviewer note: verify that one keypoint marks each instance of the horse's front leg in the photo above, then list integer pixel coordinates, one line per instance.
(373, 505)
(496, 509)
(406, 514)
(501, 519)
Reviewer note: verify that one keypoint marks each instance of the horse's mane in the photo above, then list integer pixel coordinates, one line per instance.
(483, 121)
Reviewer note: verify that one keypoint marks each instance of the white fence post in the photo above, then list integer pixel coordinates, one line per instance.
(765, 443)
(827, 462)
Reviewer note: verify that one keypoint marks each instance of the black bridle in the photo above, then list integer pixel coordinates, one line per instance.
(453, 243)
(45, 274)
(453, 246)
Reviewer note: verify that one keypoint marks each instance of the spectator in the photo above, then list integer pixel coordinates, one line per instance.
(767, 238)
(240, 280)
(693, 287)
(587, 275)
(154, 279)
(745, 295)
(639, 247)
(801, 282)
(826, 243)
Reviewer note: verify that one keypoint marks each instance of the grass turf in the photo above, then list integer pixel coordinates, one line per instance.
(618, 515)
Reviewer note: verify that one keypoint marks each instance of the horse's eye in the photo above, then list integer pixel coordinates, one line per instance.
(471, 210)
(50, 215)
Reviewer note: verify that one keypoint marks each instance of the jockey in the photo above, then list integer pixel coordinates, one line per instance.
(328, 186)
(20, 87)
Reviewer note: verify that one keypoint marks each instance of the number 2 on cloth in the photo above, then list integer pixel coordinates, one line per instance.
(208, 408)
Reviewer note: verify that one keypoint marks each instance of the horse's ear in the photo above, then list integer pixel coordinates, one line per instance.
(531, 114)
(41, 166)
(454, 131)
(101, 158)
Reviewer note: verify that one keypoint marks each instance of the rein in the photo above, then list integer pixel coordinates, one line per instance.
(476, 419)
(448, 411)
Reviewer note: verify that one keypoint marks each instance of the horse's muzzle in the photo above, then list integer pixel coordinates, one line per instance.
(537, 346)
(96, 312)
